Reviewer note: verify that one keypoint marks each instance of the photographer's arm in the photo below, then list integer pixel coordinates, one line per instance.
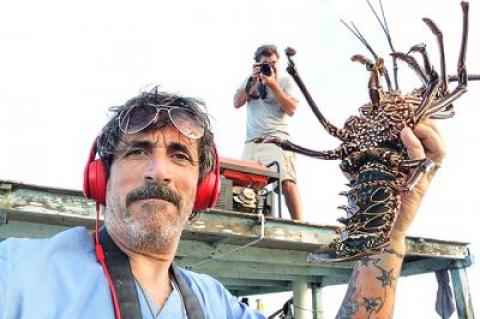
(240, 98)
(372, 286)
(287, 103)
(243, 94)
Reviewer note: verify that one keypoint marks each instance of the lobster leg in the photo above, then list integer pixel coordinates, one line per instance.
(443, 104)
(329, 127)
(432, 85)
(443, 115)
(413, 64)
(439, 35)
(412, 163)
(429, 97)
(423, 166)
(429, 70)
(289, 146)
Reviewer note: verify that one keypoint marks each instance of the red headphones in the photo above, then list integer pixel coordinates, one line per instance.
(95, 182)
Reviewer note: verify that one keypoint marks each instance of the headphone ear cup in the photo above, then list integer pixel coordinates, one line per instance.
(95, 178)
(209, 189)
(207, 192)
(98, 182)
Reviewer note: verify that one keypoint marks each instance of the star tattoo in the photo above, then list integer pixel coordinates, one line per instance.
(371, 304)
(386, 278)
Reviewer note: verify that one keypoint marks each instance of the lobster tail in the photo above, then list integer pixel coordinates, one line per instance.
(373, 203)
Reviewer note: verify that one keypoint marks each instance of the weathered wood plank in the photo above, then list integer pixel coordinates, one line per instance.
(259, 268)
(239, 273)
(253, 283)
(17, 229)
(192, 248)
(240, 291)
(47, 201)
(418, 246)
(317, 301)
(426, 265)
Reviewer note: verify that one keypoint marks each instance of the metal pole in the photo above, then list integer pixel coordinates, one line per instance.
(301, 300)
(279, 186)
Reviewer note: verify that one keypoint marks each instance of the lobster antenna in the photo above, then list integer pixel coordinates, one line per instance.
(386, 31)
(360, 37)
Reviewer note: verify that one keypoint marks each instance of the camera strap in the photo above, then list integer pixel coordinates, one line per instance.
(124, 283)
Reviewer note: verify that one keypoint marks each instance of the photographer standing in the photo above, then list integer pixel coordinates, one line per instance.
(269, 100)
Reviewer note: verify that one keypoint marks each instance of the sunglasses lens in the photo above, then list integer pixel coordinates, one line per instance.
(138, 118)
(186, 122)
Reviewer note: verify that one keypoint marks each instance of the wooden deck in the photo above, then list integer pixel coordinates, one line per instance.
(247, 255)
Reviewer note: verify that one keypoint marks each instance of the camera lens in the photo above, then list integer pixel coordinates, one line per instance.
(266, 69)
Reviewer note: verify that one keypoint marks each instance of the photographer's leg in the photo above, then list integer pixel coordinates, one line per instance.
(292, 199)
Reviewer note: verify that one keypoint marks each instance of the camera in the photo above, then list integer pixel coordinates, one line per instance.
(265, 69)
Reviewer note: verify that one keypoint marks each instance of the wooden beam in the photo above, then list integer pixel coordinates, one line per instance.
(253, 283)
(259, 268)
(426, 265)
(241, 228)
(240, 291)
(31, 230)
(191, 248)
(239, 273)
(418, 246)
(47, 218)
(317, 302)
(463, 300)
(47, 201)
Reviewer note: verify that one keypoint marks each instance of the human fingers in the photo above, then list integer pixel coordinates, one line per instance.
(412, 143)
(423, 141)
(255, 70)
(431, 140)
(431, 123)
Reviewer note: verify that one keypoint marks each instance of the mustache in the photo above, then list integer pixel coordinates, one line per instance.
(154, 190)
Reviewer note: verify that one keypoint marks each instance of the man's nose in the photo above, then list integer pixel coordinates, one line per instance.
(159, 169)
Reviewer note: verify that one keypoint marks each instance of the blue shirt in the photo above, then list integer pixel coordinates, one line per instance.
(59, 277)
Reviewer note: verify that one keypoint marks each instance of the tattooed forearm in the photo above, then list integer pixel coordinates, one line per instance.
(349, 305)
(368, 261)
(371, 289)
(394, 252)
(354, 306)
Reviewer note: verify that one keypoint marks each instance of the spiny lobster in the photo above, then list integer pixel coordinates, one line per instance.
(371, 152)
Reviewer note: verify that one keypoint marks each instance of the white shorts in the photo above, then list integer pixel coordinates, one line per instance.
(266, 153)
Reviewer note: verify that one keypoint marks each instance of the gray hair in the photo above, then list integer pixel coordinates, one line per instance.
(111, 133)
